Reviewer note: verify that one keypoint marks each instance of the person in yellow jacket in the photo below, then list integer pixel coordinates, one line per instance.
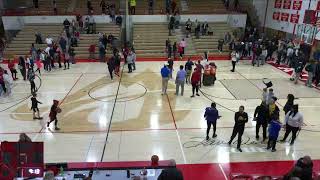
(133, 4)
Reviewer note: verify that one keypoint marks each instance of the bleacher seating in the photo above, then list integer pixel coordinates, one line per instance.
(149, 39)
(21, 44)
(208, 43)
(81, 6)
(46, 7)
(205, 7)
(87, 39)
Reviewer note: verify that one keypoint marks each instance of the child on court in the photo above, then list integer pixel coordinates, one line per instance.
(274, 128)
(34, 106)
(53, 114)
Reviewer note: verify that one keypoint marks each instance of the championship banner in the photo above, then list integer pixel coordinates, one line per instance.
(277, 3)
(284, 16)
(286, 4)
(276, 16)
(294, 18)
(297, 5)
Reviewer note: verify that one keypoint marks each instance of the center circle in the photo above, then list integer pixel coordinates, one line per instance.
(128, 91)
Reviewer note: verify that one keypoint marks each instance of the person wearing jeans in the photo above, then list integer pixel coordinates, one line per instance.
(294, 121)
(180, 78)
(310, 68)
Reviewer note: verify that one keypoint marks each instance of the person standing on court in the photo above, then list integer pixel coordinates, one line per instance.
(22, 68)
(180, 78)
(240, 118)
(188, 68)
(212, 115)
(274, 129)
(111, 66)
(233, 60)
(165, 73)
(195, 81)
(289, 104)
(260, 116)
(294, 121)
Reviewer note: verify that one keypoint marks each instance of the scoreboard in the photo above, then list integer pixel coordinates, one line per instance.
(21, 159)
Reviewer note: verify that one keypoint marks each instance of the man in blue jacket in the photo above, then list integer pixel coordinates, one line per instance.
(211, 116)
(165, 73)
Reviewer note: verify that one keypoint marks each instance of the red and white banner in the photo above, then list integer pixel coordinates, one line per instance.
(286, 4)
(297, 5)
(310, 17)
(284, 16)
(276, 16)
(277, 3)
(294, 18)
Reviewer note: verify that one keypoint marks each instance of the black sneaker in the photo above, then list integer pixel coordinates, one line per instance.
(56, 128)
(239, 149)
(48, 124)
(257, 137)
(273, 150)
(207, 138)
(192, 96)
(214, 136)
(198, 94)
(229, 143)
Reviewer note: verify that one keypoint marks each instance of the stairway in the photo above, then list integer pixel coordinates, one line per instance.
(149, 39)
(190, 49)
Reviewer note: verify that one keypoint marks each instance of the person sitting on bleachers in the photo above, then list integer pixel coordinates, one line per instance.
(38, 38)
(302, 169)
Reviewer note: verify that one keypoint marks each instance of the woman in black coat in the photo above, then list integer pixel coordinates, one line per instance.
(289, 104)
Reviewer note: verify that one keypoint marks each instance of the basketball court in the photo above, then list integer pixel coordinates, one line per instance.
(128, 119)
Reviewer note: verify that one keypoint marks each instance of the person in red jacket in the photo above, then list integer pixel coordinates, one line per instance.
(195, 81)
(13, 70)
(92, 51)
(53, 114)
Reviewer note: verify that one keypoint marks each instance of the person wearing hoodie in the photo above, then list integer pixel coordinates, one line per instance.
(289, 104)
(211, 115)
(53, 114)
(294, 122)
(302, 170)
(195, 81)
(274, 129)
(260, 116)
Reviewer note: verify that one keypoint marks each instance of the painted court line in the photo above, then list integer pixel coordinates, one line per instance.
(224, 174)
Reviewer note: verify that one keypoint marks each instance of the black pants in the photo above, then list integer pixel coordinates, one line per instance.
(3, 87)
(23, 73)
(290, 129)
(133, 10)
(264, 129)
(66, 62)
(111, 71)
(214, 124)
(272, 143)
(233, 65)
(237, 130)
(55, 121)
(13, 73)
(220, 47)
(130, 67)
(33, 87)
(195, 87)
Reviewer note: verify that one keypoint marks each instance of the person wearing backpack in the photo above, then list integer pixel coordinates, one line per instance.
(310, 68)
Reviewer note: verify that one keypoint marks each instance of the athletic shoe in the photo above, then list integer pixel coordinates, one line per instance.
(239, 149)
(56, 128)
(207, 138)
(214, 136)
